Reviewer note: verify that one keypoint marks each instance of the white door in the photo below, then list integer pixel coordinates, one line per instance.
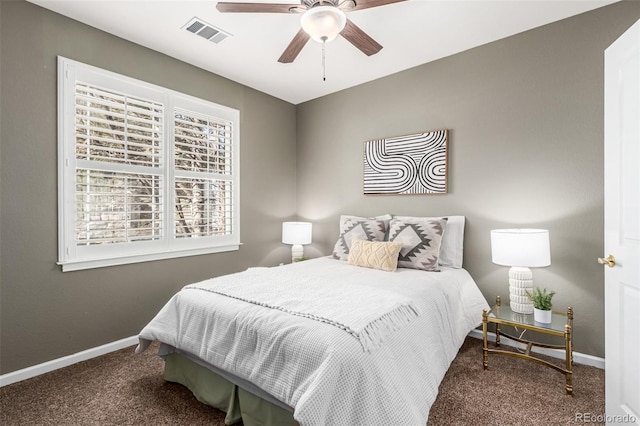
(622, 228)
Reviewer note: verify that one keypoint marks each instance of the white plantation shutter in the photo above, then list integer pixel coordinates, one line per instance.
(145, 173)
(116, 128)
(203, 207)
(202, 144)
(117, 207)
(118, 167)
(203, 175)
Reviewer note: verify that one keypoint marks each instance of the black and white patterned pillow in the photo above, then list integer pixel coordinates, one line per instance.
(359, 229)
(421, 241)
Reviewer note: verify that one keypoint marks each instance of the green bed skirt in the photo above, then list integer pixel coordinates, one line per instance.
(216, 391)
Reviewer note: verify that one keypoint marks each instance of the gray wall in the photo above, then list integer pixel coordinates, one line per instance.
(46, 314)
(526, 142)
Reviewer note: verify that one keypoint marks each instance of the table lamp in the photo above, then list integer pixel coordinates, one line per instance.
(296, 233)
(521, 249)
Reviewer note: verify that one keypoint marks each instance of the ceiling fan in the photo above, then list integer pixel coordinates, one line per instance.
(321, 20)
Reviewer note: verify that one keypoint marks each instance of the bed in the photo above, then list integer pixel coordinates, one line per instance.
(368, 347)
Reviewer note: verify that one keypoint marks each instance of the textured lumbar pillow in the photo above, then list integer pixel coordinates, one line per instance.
(360, 229)
(375, 254)
(420, 240)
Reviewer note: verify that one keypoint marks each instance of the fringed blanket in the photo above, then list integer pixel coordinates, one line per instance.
(367, 313)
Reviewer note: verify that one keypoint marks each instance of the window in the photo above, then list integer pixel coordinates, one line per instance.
(145, 173)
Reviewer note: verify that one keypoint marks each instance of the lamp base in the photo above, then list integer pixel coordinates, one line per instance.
(520, 281)
(297, 253)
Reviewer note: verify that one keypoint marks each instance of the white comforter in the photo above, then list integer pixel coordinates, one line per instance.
(320, 370)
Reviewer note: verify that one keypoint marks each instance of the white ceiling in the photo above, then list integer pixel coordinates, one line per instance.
(411, 33)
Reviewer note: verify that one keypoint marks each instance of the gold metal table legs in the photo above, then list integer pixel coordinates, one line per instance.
(502, 315)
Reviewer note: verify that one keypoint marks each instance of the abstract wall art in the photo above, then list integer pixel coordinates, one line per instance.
(411, 164)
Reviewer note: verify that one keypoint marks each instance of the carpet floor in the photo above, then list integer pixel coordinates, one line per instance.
(121, 388)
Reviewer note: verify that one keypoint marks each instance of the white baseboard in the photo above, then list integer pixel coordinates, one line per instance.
(578, 358)
(45, 367)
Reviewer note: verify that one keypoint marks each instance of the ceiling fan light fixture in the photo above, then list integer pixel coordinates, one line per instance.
(323, 23)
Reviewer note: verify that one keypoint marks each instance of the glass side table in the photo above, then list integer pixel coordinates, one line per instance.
(561, 325)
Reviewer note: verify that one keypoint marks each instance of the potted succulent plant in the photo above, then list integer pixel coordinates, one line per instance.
(541, 304)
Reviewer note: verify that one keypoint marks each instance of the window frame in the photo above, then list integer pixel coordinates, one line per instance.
(73, 257)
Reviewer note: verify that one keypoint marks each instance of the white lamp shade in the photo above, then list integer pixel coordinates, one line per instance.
(520, 247)
(323, 23)
(296, 232)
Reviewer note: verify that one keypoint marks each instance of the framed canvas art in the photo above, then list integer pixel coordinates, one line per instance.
(411, 164)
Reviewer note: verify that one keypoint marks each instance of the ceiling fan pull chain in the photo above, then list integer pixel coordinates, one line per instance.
(324, 68)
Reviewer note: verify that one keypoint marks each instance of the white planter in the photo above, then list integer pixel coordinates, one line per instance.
(541, 316)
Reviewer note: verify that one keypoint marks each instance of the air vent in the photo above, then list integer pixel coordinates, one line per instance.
(204, 30)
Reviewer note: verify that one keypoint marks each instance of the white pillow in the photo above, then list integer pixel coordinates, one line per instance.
(452, 240)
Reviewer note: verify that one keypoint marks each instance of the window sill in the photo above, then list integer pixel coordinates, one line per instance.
(79, 265)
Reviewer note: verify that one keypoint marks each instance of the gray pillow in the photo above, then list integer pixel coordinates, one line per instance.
(359, 229)
(452, 241)
(421, 241)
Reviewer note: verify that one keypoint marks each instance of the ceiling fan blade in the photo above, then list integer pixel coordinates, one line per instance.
(360, 39)
(294, 48)
(229, 7)
(366, 4)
